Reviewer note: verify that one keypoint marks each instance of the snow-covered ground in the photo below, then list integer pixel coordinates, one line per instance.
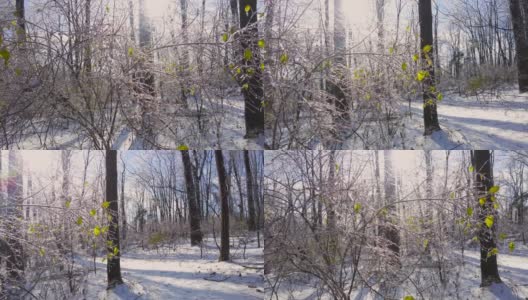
(513, 269)
(183, 274)
(471, 123)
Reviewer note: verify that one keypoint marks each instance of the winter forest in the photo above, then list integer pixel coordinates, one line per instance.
(396, 225)
(263, 149)
(172, 225)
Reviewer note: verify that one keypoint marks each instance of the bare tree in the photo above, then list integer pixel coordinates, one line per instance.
(252, 223)
(224, 194)
(520, 29)
(113, 267)
(194, 213)
(426, 46)
(483, 161)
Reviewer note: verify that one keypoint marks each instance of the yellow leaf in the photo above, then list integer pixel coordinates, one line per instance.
(482, 201)
(494, 189)
(427, 48)
(116, 250)
(247, 9)
(182, 147)
(67, 204)
(489, 221)
(404, 66)
(261, 44)
(357, 207)
(471, 169)
(42, 252)
(79, 221)
(421, 75)
(105, 204)
(225, 37)
(415, 57)
(93, 212)
(97, 231)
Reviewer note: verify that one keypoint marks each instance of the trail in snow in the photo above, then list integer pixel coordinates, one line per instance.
(184, 275)
(476, 124)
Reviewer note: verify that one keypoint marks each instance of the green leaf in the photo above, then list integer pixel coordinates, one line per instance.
(427, 48)
(408, 298)
(18, 72)
(67, 204)
(469, 211)
(489, 221)
(42, 252)
(4, 53)
(79, 221)
(262, 66)
(182, 147)
(482, 201)
(105, 204)
(245, 86)
(247, 9)
(440, 97)
(494, 189)
(511, 246)
(284, 58)
(357, 207)
(248, 54)
(415, 57)
(471, 169)
(93, 212)
(492, 252)
(116, 250)
(261, 44)
(225, 37)
(97, 231)
(421, 75)
(130, 51)
(104, 229)
(404, 66)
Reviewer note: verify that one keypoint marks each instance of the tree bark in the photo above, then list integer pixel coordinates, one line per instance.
(194, 213)
(113, 267)
(123, 210)
(391, 232)
(520, 29)
(252, 85)
(488, 260)
(252, 224)
(224, 248)
(426, 39)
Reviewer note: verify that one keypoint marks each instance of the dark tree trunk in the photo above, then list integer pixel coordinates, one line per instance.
(194, 213)
(113, 267)
(21, 21)
(87, 47)
(123, 210)
(335, 86)
(252, 224)
(426, 39)
(222, 179)
(488, 260)
(251, 84)
(520, 29)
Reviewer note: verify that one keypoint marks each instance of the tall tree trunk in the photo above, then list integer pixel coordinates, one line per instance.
(428, 85)
(122, 205)
(484, 179)
(520, 29)
(87, 38)
(224, 248)
(21, 21)
(252, 88)
(428, 195)
(146, 84)
(194, 213)
(185, 51)
(252, 224)
(113, 267)
(336, 86)
(391, 232)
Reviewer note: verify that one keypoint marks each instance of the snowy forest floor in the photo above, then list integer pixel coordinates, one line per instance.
(513, 269)
(484, 122)
(182, 274)
(222, 126)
